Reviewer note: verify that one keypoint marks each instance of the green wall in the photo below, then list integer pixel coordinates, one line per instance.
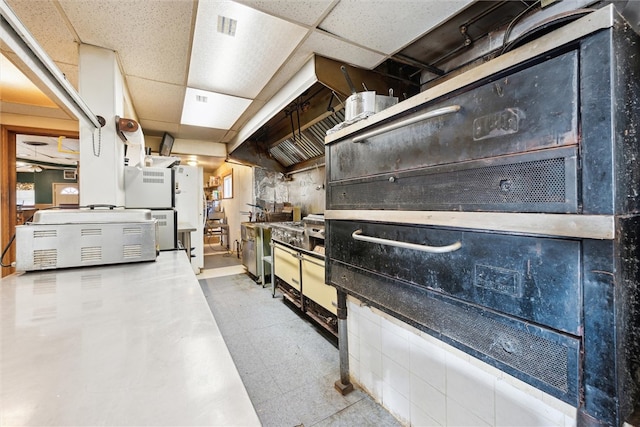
(43, 181)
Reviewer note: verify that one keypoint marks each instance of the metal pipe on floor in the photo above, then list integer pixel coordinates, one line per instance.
(343, 385)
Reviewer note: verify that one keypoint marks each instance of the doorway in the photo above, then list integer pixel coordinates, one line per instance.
(65, 194)
(8, 179)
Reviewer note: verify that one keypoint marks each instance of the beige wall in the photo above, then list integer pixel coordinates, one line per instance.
(242, 195)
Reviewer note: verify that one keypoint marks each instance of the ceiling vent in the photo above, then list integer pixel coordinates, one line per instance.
(227, 25)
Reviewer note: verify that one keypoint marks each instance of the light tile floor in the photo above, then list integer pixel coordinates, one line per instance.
(287, 367)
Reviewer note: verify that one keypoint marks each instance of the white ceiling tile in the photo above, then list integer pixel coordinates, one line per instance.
(330, 47)
(151, 37)
(154, 127)
(303, 12)
(210, 109)
(207, 134)
(58, 41)
(157, 128)
(156, 100)
(388, 25)
(241, 65)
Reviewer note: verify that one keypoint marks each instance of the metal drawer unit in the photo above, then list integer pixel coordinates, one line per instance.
(521, 175)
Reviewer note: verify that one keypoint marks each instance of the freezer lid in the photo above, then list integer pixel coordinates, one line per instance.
(86, 215)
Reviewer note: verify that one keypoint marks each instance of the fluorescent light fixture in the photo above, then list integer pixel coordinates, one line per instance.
(264, 40)
(218, 112)
(192, 163)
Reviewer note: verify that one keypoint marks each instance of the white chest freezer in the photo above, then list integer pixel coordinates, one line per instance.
(86, 237)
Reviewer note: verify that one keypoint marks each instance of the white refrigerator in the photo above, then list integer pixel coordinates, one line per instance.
(189, 196)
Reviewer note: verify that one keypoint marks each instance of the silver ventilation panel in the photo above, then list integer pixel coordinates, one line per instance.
(290, 129)
(307, 144)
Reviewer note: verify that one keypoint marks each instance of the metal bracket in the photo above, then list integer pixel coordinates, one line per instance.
(125, 125)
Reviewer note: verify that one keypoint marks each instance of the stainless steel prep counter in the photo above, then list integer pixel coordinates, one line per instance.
(129, 344)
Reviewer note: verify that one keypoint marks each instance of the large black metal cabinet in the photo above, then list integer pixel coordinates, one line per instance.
(523, 175)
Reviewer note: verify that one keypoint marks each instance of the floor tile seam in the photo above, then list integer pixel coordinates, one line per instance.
(338, 412)
(273, 383)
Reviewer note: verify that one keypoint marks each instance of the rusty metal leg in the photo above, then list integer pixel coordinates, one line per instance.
(344, 385)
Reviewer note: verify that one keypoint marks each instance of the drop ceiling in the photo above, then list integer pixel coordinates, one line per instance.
(172, 52)
(167, 48)
(46, 152)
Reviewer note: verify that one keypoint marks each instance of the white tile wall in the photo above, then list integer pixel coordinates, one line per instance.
(425, 382)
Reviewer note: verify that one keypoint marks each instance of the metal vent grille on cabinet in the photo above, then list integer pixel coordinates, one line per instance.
(131, 251)
(45, 258)
(545, 185)
(132, 230)
(530, 182)
(306, 144)
(91, 254)
(162, 219)
(45, 233)
(91, 232)
(153, 177)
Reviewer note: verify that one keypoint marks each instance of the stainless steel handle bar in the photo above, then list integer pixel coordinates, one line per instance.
(428, 115)
(357, 235)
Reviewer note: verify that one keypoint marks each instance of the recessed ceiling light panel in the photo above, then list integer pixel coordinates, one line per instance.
(243, 64)
(218, 112)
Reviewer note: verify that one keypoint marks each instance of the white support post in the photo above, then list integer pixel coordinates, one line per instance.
(101, 169)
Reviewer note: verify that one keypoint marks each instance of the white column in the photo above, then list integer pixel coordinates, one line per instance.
(100, 82)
